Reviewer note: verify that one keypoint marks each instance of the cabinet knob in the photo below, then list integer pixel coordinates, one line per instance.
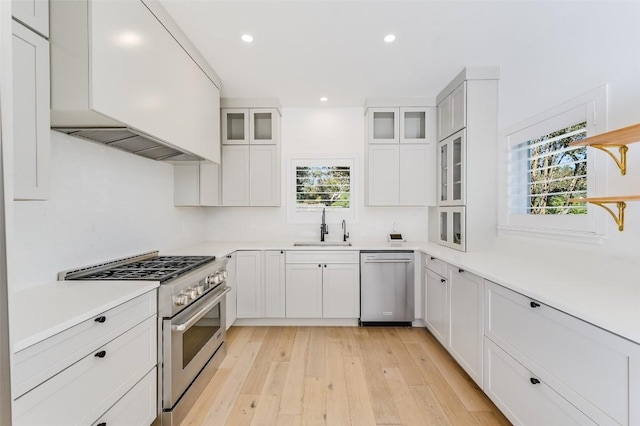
(101, 354)
(534, 304)
(319, 266)
(442, 280)
(461, 271)
(325, 265)
(228, 256)
(100, 319)
(534, 381)
(281, 251)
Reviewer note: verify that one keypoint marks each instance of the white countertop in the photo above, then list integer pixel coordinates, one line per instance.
(38, 313)
(603, 291)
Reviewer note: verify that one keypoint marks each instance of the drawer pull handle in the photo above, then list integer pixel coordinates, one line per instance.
(100, 319)
(101, 354)
(102, 424)
(534, 305)
(442, 280)
(432, 258)
(461, 271)
(228, 256)
(534, 381)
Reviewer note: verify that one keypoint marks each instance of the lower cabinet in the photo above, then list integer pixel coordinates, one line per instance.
(304, 290)
(437, 307)
(231, 305)
(249, 284)
(274, 284)
(466, 321)
(340, 291)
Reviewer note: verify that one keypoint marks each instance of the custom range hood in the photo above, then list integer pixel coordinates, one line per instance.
(124, 74)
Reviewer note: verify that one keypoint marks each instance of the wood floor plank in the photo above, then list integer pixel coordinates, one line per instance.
(314, 402)
(490, 418)
(294, 385)
(381, 348)
(403, 399)
(269, 403)
(360, 405)
(410, 334)
(201, 407)
(221, 407)
(429, 405)
(332, 334)
(316, 360)
(235, 347)
(466, 389)
(289, 420)
(409, 369)
(243, 410)
(285, 344)
(348, 340)
(337, 401)
(259, 333)
(260, 368)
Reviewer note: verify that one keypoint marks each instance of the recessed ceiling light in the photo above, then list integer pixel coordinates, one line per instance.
(389, 38)
(324, 99)
(247, 38)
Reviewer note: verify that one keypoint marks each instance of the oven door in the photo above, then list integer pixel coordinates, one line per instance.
(189, 341)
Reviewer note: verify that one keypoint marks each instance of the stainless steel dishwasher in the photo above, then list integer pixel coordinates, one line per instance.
(386, 288)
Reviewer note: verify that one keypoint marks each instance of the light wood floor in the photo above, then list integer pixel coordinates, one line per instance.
(340, 376)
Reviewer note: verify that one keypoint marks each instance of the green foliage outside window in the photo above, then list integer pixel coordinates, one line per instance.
(320, 186)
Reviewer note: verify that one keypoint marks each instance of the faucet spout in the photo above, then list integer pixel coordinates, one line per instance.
(345, 234)
(324, 229)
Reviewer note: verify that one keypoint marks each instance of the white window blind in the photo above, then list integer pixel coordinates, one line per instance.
(545, 173)
(320, 187)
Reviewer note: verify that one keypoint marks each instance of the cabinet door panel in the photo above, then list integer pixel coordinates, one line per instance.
(30, 114)
(415, 175)
(235, 126)
(444, 118)
(383, 125)
(33, 13)
(304, 290)
(263, 126)
(235, 175)
(437, 320)
(458, 108)
(417, 125)
(232, 296)
(274, 284)
(264, 172)
(341, 291)
(249, 284)
(384, 175)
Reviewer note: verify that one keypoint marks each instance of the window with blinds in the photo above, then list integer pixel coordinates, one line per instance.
(545, 173)
(319, 187)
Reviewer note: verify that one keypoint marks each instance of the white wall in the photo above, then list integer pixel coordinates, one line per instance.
(318, 133)
(576, 47)
(104, 204)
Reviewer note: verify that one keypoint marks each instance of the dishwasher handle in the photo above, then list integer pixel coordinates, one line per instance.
(388, 260)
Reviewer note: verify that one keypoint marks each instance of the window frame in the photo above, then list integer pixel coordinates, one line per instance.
(314, 216)
(589, 107)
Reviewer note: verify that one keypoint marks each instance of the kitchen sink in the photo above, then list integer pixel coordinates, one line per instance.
(322, 244)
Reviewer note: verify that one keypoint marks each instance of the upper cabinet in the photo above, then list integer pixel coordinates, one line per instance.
(255, 126)
(32, 137)
(116, 64)
(32, 13)
(452, 112)
(401, 125)
(383, 125)
(196, 184)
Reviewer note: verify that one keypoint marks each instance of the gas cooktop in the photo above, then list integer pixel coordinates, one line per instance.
(148, 267)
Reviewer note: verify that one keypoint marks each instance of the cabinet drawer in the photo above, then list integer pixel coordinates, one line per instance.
(588, 366)
(322, 256)
(510, 387)
(436, 265)
(35, 364)
(82, 392)
(137, 407)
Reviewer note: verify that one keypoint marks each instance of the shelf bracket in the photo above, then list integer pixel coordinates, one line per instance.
(619, 218)
(622, 162)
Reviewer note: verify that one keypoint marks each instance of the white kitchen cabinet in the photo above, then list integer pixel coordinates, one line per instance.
(417, 125)
(594, 370)
(32, 13)
(235, 175)
(452, 112)
(232, 296)
(340, 290)
(466, 316)
(452, 227)
(383, 125)
(264, 126)
(437, 311)
(522, 397)
(416, 175)
(264, 175)
(196, 184)
(81, 393)
(32, 143)
(274, 284)
(235, 126)
(383, 175)
(249, 284)
(304, 290)
(452, 170)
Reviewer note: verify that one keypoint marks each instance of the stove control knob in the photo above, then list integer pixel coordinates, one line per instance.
(181, 299)
(225, 274)
(200, 290)
(207, 280)
(192, 293)
(216, 279)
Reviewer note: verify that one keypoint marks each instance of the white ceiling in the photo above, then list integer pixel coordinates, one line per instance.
(303, 50)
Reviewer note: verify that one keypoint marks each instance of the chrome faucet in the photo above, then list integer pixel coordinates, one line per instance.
(345, 234)
(324, 230)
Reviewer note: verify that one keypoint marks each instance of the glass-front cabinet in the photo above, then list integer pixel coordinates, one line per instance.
(451, 170)
(451, 227)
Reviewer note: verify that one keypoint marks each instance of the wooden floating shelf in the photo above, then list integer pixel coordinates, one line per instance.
(620, 201)
(615, 139)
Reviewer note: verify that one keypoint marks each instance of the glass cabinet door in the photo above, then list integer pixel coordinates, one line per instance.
(457, 168)
(452, 170)
(262, 126)
(383, 125)
(444, 172)
(235, 126)
(451, 227)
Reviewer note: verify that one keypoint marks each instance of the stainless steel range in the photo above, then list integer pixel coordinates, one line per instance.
(191, 320)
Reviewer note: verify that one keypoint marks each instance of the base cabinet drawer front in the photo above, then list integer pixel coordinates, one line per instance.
(321, 256)
(522, 397)
(436, 265)
(86, 390)
(595, 370)
(137, 407)
(37, 363)
(466, 293)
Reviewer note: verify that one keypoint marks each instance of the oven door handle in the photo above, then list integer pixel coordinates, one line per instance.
(202, 312)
